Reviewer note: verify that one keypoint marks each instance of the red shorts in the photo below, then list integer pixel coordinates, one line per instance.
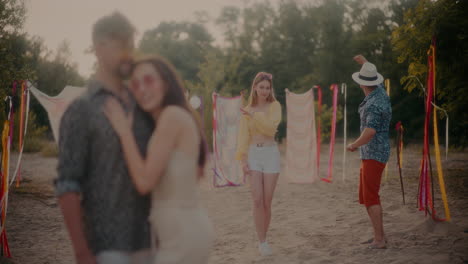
(369, 183)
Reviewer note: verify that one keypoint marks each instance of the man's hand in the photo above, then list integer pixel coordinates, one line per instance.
(359, 59)
(72, 213)
(351, 147)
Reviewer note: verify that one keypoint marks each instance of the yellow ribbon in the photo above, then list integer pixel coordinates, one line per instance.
(5, 170)
(436, 143)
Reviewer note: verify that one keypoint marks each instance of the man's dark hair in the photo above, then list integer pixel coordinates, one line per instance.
(115, 26)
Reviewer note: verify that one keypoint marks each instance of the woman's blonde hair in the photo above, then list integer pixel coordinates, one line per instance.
(261, 76)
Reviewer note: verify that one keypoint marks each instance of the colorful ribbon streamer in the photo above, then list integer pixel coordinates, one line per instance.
(344, 88)
(446, 136)
(412, 79)
(6, 143)
(426, 188)
(7, 137)
(23, 131)
(432, 82)
(399, 129)
(424, 191)
(319, 123)
(334, 88)
(387, 86)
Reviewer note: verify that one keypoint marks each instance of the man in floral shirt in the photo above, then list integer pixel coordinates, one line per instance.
(375, 113)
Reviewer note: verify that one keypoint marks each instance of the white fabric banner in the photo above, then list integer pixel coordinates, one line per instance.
(226, 117)
(56, 105)
(301, 138)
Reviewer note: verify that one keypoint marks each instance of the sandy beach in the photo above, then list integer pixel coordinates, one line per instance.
(312, 223)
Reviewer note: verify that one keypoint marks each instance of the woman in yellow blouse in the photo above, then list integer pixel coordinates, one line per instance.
(258, 151)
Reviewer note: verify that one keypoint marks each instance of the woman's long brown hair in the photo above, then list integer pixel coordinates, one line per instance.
(174, 95)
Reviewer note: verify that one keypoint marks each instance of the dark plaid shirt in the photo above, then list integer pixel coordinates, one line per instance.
(91, 163)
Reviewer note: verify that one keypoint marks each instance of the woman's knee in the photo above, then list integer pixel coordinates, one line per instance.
(258, 202)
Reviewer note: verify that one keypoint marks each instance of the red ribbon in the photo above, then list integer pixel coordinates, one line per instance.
(4, 181)
(425, 195)
(4, 242)
(399, 129)
(334, 88)
(319, 119)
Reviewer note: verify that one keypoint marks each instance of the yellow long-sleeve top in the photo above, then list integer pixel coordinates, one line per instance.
(260, 123)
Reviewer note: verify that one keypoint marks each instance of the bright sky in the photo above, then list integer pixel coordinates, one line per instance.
(58, 20)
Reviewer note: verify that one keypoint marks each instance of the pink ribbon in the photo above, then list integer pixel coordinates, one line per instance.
(319, 108)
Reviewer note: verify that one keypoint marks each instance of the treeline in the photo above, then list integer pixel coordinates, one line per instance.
(301, 43)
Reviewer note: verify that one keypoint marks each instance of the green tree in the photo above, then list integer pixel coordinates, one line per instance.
(16, 54)
(184, 44)
(53, 73)
(447, 21)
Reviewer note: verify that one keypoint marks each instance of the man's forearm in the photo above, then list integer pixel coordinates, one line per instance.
(366, 136)
(73, 216)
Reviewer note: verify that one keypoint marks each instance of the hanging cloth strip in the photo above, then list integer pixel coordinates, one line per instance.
(56, 105)
(344, 88)
(24, 115)
(387, 86)
(334, 88)
(426, 188)
(432, 56)
(301, 139)
(399, 129)
(226, 117)
(319, 124)
(6, 143)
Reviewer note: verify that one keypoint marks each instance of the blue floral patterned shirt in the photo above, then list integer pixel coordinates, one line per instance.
(375, 112)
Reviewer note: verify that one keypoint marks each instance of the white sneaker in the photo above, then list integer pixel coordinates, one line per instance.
(265, 249)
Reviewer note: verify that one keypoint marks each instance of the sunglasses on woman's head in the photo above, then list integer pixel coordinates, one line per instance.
(147, 80)
(266, 76)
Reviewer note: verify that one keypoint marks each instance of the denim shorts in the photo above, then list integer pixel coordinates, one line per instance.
(264, 159)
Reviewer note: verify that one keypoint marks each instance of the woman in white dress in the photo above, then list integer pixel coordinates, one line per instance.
(174, 162)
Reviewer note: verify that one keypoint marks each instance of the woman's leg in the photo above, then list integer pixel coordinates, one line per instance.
(256, 188)
(269, 185)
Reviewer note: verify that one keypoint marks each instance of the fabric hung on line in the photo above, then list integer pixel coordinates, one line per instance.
(301, 139)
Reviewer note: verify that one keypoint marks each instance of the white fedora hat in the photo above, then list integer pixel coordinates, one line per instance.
(368, 75)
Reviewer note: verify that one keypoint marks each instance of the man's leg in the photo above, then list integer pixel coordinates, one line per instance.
(375, 215)
(371, 179)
